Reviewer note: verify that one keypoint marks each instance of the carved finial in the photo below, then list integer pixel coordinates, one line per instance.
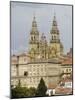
(34, 15)
(54, 15)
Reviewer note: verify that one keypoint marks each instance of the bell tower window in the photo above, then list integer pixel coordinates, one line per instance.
(32, 38)
(52, 37)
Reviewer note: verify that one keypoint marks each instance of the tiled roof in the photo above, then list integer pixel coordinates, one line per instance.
(52, 86)
(62, 90)
(67, 61)
(24, 55)
(66, 80)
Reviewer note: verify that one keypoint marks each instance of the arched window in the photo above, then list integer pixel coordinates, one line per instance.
(52, 37)
(38, 46)
(32, 38)
(66, 70)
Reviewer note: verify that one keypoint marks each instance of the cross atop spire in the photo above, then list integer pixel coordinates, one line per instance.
(54, 15)
(34, 17)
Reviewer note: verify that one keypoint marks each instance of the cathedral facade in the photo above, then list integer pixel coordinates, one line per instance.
(39, 47)
(41, 61)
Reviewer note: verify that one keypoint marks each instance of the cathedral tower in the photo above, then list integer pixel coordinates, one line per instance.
(34, 40)
(43, 47)
(56, 47)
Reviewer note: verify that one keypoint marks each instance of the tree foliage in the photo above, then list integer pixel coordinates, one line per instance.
(41, 89)
(21, 92)
(32, 91)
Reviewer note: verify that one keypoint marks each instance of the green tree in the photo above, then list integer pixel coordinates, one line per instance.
(41, 89)
(32, 91)
(19, 92)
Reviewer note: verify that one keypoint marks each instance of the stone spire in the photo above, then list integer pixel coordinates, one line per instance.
(54, 31)
(56, 46)
(34, 39)
(34, 34)
(34, 25)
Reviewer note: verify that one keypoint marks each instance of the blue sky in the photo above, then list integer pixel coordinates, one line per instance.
(21, 22)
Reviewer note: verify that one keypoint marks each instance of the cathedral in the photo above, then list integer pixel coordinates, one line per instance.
(39, 47)
(43, 60)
